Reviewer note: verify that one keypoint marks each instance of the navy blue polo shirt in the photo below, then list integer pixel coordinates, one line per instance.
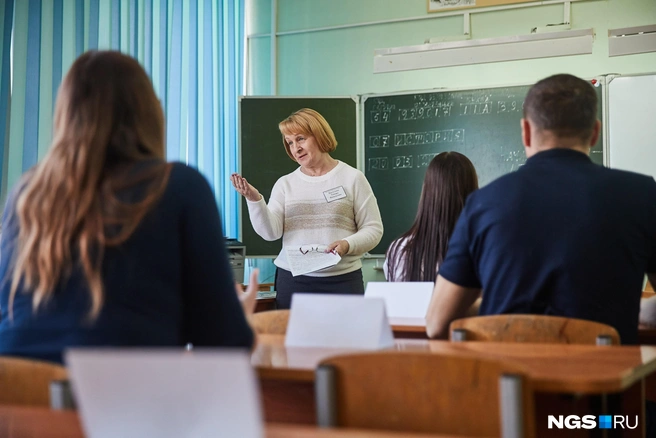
(560, 236)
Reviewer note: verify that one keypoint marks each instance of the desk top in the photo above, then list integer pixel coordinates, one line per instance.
(401, 326)
(416, 328)
(29, 422)
(561, 368)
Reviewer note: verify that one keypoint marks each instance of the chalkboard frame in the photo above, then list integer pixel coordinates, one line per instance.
(244, 220)
(603, 105)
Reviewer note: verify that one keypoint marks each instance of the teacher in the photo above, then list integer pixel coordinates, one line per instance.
(324, 201)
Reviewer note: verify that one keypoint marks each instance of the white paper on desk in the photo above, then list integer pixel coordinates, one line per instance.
(165, 393)
(338, 321)
(310, 258)
(402, 299)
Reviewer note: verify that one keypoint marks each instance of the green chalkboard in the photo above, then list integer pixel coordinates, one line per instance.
(403, 132)
(263, 156)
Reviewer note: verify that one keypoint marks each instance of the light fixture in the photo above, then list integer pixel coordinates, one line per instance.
(512, 48)
(631, 40)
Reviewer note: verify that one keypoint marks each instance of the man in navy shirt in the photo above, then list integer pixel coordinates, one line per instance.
(562, 235)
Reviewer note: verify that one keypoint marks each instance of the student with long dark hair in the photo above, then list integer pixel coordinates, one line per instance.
(416, 255)
(104, 243)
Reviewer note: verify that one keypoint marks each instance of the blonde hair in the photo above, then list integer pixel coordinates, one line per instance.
(308, 122)
(107, 118)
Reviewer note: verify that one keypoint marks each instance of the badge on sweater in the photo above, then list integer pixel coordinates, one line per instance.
(334, 194)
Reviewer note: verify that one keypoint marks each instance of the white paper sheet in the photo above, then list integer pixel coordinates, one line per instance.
(402, 299)
(338, 321)
(310, 258)
(165, 393)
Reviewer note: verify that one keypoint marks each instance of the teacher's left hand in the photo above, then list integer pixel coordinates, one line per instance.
(341, 247)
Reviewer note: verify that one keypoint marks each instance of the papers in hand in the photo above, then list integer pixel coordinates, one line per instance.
(310, 258)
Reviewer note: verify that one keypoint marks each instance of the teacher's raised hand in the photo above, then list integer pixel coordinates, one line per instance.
(244, 188)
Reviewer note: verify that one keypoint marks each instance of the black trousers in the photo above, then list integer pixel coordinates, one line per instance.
(287, 285)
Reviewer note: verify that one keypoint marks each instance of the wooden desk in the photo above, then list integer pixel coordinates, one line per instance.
(29, 422)
(415, 328)
(264, 303)
(409, 328)
(552, 367)
(287, 374)
(266, 298)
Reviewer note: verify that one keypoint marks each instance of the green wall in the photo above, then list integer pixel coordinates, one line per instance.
(340, 62)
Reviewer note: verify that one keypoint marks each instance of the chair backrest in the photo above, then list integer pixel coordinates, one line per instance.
(272, 322)
(425, 392)
(26, 381)
(533, 328)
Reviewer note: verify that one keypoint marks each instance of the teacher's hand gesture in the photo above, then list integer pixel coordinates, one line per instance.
(244, 188)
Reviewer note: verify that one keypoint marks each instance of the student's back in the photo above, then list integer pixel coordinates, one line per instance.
(417, 253)
(561, 236)
(170, 283)
(591, 230)
(106, 244)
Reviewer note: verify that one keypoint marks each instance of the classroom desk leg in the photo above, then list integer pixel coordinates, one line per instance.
(285, 401)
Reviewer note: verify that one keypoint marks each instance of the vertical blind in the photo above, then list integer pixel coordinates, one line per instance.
(192, 50)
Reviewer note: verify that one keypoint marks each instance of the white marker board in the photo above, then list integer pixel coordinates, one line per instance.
(631, 123)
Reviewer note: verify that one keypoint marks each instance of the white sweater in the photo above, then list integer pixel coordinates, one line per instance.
(299, 213)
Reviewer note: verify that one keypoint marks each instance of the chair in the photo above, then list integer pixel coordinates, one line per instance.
(27, 382)
(424, 392)
(533, 328)
(272, 322)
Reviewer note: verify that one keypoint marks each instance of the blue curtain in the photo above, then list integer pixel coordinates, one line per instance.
(6, 19)
(192, 50)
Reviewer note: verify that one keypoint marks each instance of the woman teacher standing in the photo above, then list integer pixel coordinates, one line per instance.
(348, 222)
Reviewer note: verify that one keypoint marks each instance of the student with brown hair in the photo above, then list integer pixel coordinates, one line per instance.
(104, 243)
(417, 253)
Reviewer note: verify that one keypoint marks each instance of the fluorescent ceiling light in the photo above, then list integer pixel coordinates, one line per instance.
(631, 40)
(542, 45)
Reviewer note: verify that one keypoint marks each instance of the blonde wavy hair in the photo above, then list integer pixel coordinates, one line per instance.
(107, 119)
(308, 122)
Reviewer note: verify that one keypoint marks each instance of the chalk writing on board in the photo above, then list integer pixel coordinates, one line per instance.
(423, 160)
(425, 110)
(490, 107)
(380, 163)
(429, 137)
(509, 106)
(441, 106)
(515, 158)
(400, 162)
(403, 162)
(379, 141)
(379, 104)
(380, 116)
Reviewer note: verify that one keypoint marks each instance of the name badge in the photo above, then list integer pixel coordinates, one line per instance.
(334, 194)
